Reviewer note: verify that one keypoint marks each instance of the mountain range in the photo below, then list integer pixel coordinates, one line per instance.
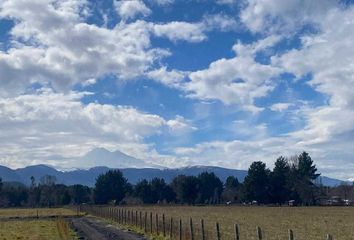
(115, 159)
(88, 177)
(133, 169)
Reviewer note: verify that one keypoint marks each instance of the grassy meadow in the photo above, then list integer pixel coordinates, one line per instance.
(32, 212)
(36, 230)
(308, 223)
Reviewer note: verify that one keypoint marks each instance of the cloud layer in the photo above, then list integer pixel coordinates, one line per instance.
(289, 64)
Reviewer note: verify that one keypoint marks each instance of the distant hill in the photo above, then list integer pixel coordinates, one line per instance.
(88, 177)
(332, 182)
(116, 159)
(9, 175)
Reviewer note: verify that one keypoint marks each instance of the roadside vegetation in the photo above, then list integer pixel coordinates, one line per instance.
(35, 212)
(36, 230)
(306, 222)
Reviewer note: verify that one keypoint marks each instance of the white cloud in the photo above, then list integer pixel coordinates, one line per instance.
(176, 31)
(238, 80)
(173, 78)
(89, 82)
(327, 56)
(131, 9)
(180, 126)
(235, 154)
(283, 16)
(220, 22)
(163, 2)
(226, 2)
(280, 107)
(195, 32)
(36, 127)
(58, 48)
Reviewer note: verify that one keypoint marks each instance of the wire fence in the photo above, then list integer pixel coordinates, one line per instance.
(157, 224)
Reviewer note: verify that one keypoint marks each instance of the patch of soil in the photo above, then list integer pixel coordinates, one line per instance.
(91, 228)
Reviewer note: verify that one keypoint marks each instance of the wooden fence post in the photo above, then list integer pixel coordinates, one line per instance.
(151, 222)
(191, 228)
(119, 215)
(145, 222)
(237, 232)
(140, 220)
(291, 234)
(180, 229)
(163, 225)
(259, 233)
(131, 217)
(202, 229)
(157, 223)
(218, 237)
(171, 227)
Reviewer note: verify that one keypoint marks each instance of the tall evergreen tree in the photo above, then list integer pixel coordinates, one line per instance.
(231, 192)
(306, 169)
(143, 191)
(256, 184)
(210, 188)
(231, 182)
(186, 188)
(303, 176)
(110, 186)
(280, 180)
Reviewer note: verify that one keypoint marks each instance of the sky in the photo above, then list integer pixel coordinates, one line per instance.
(178, 83)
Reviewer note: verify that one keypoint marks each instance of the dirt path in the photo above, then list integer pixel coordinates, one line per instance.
(91, 228)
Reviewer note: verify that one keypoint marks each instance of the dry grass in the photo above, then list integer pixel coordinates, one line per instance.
(36, 230)
(28, 212)
(308, 223)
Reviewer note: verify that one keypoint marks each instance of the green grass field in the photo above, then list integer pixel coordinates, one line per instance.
(31, 212)
(36, 230)
(308, 223)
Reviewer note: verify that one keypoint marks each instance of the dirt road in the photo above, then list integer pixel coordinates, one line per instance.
(91, 228)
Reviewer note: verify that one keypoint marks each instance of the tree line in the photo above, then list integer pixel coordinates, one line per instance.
(294, 178)
(291, 179)
(45, 193)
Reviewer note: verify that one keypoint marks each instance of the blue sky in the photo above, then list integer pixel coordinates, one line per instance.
(178, 83)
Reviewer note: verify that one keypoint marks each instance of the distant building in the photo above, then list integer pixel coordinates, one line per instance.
(291, 203)
(335, 201)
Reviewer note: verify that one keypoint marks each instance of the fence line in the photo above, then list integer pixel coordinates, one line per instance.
(169, 229)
